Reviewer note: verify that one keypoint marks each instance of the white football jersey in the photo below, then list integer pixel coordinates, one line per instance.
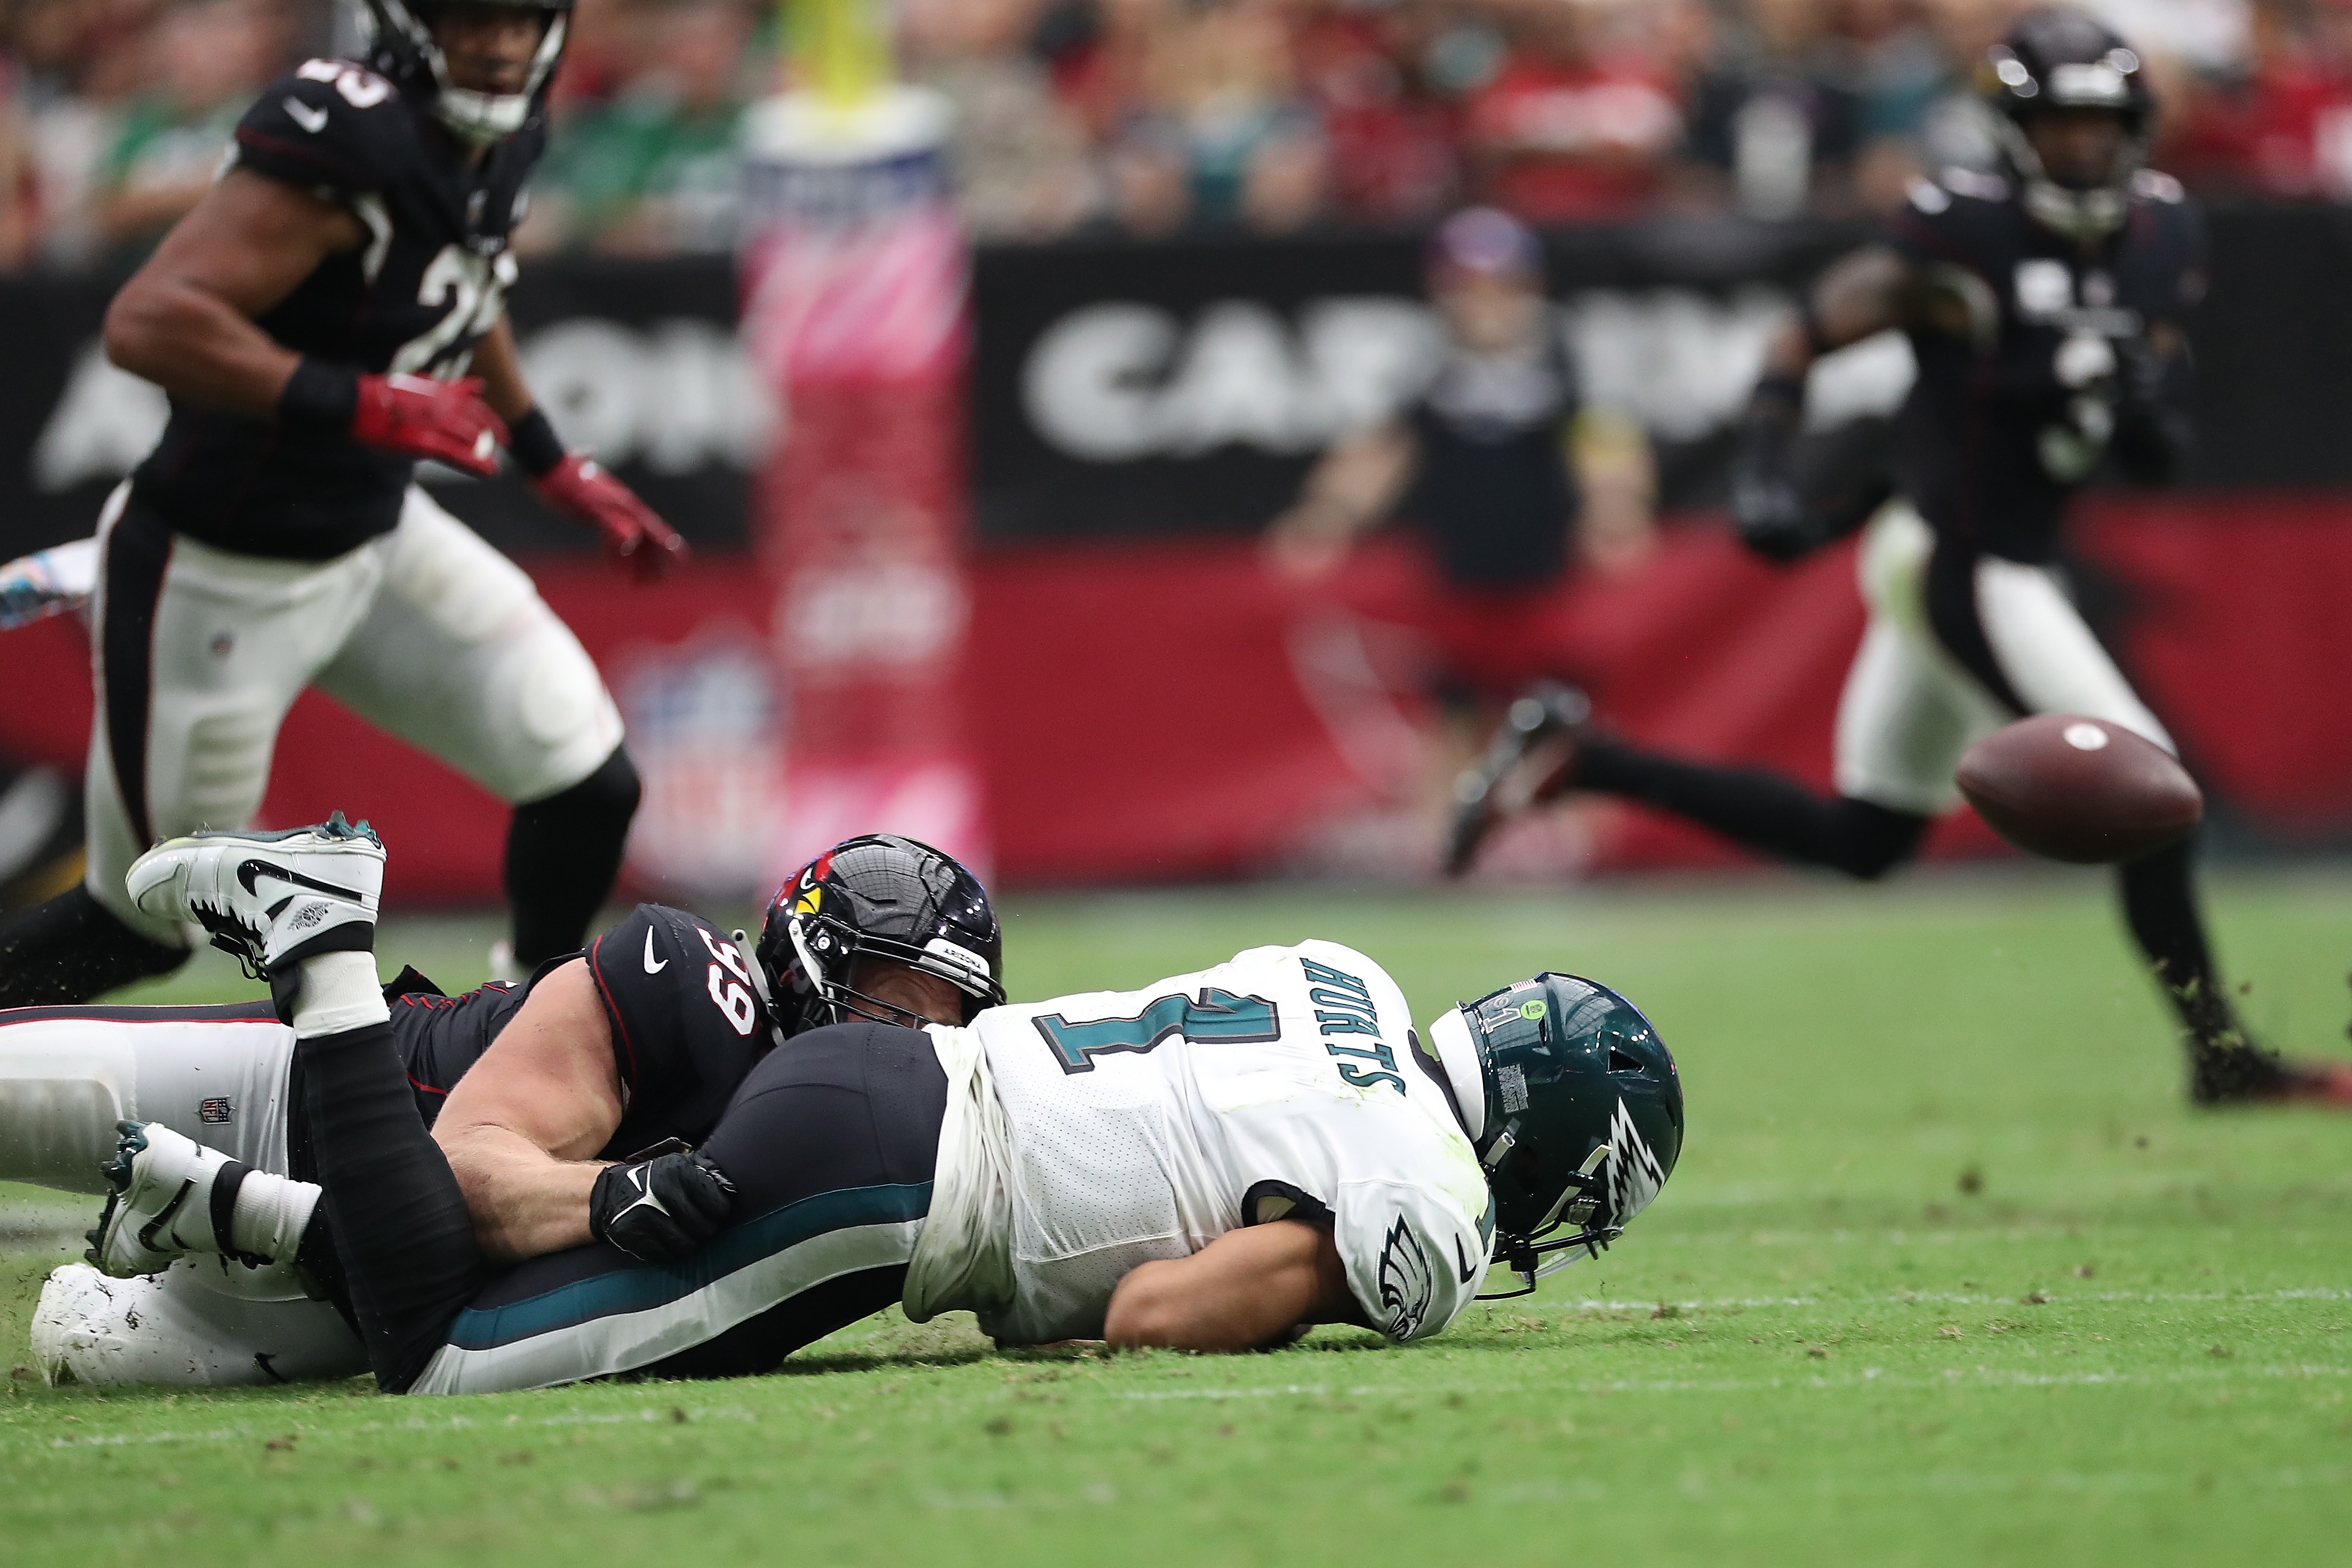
(1145, 1124)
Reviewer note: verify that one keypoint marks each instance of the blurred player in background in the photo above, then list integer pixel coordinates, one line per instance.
(313, 320)
(1509, 477)
(2044, 309)
(40, 806)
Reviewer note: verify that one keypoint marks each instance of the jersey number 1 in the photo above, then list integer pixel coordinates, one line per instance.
(1218, 1017)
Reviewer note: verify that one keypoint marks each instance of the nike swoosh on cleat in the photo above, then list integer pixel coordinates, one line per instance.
(651, 967)
(1462, 1258)
(252, 870)
(147, 1232)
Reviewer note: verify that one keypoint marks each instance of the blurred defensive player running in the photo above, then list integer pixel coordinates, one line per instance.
(313, 320)
(2044, 309)
(1211, 1162)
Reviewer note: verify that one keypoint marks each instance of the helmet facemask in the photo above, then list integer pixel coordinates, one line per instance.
(399, 37)
(883, 896)
(828, 951)
(2087, 213)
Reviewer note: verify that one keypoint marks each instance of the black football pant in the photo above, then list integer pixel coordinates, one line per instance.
(830, 1142)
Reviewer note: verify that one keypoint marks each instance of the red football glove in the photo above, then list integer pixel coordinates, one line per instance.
(639, 542)
(420, 418)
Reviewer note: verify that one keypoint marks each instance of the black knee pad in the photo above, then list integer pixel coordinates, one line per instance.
(563, 854)
(72, 949)
(1871, 840)
(607, 796)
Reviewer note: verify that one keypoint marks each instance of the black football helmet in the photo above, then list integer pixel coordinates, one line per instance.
(401, 49)
(2065, 59)
(877, 896)
(1574, 1106)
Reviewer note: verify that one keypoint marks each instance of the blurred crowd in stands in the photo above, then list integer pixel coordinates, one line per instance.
(1155, 117)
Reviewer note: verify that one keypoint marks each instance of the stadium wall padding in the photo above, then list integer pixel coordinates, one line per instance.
(1151, 706)
(1166, 712)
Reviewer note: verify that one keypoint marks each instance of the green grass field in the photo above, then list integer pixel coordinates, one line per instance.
(1948, 1275)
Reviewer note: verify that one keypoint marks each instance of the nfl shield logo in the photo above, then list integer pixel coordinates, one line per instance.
(214, 1110)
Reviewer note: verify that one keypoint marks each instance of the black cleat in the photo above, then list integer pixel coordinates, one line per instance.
(2245, 1074)
(1546, 710)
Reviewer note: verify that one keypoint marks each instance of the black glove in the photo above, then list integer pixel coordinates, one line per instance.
(662, 1209)
(1765, 508)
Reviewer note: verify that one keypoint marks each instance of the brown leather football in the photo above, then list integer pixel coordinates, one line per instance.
(2080, 790)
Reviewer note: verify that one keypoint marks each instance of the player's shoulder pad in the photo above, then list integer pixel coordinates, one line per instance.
(653, 940)
(2159, 202)
(1959, 217)
(328, 122)
(637, 962)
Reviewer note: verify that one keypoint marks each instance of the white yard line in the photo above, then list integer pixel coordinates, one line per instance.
(1869, 1377)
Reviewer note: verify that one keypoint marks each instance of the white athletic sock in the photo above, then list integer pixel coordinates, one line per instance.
(269, 1216)
(340, 991)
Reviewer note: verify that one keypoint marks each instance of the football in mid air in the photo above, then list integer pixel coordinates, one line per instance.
(2080, 790)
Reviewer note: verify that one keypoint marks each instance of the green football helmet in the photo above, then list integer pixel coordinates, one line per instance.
(1575, 1109)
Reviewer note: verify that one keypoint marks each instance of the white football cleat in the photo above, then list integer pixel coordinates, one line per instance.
(271, 899)
(162, 1205)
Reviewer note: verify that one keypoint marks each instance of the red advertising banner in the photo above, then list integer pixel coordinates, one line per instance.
(1170, 711)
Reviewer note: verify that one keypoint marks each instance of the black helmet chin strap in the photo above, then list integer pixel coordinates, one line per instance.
(843, 1002)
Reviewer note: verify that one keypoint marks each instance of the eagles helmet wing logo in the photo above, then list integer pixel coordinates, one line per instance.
(1634, 1173)
(1406, 1282)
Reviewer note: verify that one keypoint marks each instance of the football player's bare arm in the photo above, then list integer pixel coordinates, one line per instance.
(635, 538)
(1246, 1290)
(185, 319)
(520, 1126)
(1860, 296)
(499, 366)
(1357, 483)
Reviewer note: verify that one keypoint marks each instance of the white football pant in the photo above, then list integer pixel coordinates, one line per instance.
(426, 633)
(219, 1075)
(1911, 706)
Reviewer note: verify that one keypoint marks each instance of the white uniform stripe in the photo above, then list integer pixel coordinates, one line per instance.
(627, 1340)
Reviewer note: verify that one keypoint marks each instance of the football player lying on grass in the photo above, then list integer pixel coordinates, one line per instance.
(601, 1059)
(1209, 1164)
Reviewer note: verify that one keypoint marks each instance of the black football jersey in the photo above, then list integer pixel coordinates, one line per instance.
(2002, 425)
(440, 1036)
(430, 282)
(688, 1023)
